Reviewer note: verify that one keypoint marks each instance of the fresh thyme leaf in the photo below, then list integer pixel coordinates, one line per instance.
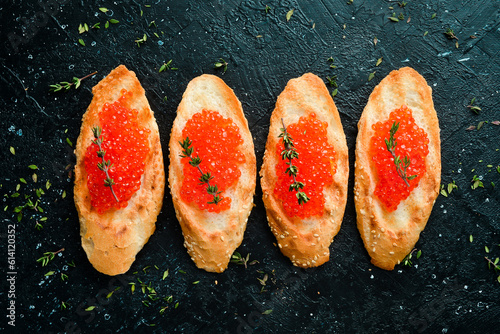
(393, 19)
(426, 32)
(96, 26)
(266, 312)
(106, 25)
(90, 308)
(371, 76)
(450, 34)
(81, 42)
(433, 16)
(471, 238)
(103, 9)
(142, 40)
(12, 150)
(289, 14)
(113, 21)
(221, 64)
(334, 92)
(379, 61)
(476, 182)
(267, 9)
(165, 275)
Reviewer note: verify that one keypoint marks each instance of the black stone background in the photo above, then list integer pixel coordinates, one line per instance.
(448, 290)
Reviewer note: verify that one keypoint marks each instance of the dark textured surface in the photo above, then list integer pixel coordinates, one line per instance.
(449, 289)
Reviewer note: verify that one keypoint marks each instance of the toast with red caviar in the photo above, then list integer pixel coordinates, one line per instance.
(305, 171)
(212, 171)
(119, 173)
(398, 166)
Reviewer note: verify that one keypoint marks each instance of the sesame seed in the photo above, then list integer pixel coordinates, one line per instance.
(392, 253)
(382, 230)
(373, 250)
(316, 235)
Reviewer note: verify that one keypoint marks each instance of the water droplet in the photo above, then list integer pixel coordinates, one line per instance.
(160, 43)
(93, 43)
(30, 56)
(107, 316)
(71, 66)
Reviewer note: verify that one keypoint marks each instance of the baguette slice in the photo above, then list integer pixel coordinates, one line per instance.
(390, 236)
(112, 239)
(306, 241)
(211, 238)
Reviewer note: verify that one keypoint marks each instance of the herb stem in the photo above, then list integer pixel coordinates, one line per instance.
(401, 165)
(205, 177)
(290, 153)
(104, 165)
(496, 266)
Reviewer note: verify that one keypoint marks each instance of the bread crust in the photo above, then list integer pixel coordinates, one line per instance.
(306, 241)
(211, 238)
(390, 236)
(112, 239)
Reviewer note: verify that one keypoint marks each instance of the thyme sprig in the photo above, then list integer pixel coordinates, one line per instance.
(401, 165)
(104, 165)
(48, 256)
(67, 85)
(290, 153)
(407, 260)
(495, 265)
(205, 177)
(242, 260)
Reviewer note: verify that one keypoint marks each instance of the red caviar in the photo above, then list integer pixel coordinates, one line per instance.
(412, 142)
(126, 146)
(215, 140)
(316, 166)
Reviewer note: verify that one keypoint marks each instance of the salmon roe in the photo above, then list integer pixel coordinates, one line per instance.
(126, 146)
(316, 166)
(215, 140)
(412, 142)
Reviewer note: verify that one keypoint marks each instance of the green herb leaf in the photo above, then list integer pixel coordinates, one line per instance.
(433, 16)
(113, 21)
(289, 15)
(371, 76)
(103, 9)
(90, 308)
(106, 25)
(266, 312)
(165, 275)
(379, 61)
(334, 92)
(471, 238)
(12, 150)
(393, 19)
(81, 42)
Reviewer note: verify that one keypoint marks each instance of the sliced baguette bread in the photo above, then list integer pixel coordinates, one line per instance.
(306, 240)
(112, 238)
(211, 237)
(388, 234)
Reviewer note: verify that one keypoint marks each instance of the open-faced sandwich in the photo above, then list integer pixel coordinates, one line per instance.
(398, 166)
(305, 172)
(119, 173)
(212, 171)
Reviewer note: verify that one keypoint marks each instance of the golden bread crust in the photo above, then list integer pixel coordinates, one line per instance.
(390, 236)
(112, 240)
(211, 238)
(306, 242)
